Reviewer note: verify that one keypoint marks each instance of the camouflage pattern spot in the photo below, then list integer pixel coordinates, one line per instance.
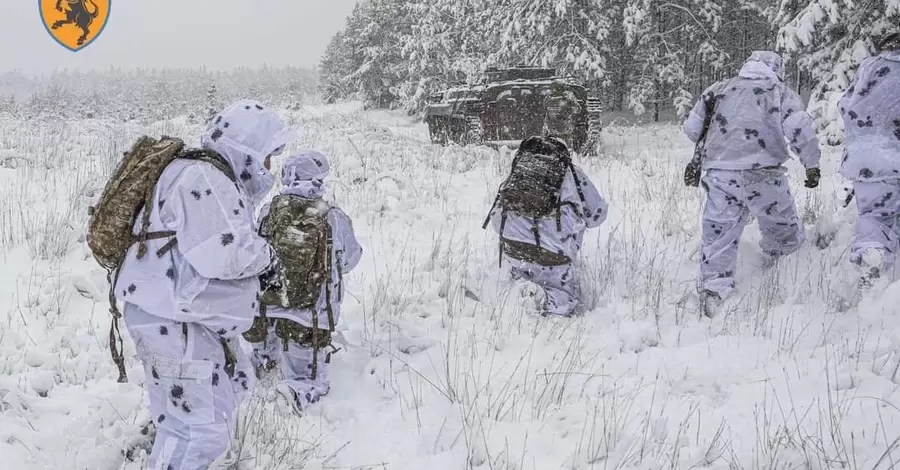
(218, 120)
(196, 194)
(865, 173)
(882, 72)
(186, 407)
(161, 418)
(209, 192)
(221, 331)
(237, 212)
(761, 142)
(259, 107)
(775, 110)
(241, 203)
(248, 161)
(852, 114)
(226, 125)
(163, 330)
(177, 391)
(132, 288)
(154, 373)
(170, 273)
(227, 239)
(216, 135)
(161, 203)
(215, 379)
(245, 175)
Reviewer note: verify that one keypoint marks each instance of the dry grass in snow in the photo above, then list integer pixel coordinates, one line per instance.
(445, 364)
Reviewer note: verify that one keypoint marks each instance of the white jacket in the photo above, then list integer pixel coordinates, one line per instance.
(871, 112)
(210, 277)
(756, 117)
(575, 218)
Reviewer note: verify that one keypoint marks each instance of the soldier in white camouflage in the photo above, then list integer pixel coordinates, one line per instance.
(294, 335)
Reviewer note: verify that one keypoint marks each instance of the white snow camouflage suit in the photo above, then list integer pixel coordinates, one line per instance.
(186, 310)
(561, 284)
(303, 175)
(756, 117)
(871, 112)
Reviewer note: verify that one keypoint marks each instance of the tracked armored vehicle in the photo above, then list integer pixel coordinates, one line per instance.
(512, 104)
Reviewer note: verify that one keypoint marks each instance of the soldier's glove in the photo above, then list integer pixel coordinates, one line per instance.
(812, 178)
(270, 279)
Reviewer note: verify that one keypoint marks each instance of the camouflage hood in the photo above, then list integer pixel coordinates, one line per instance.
(245, 133)
(304, 173)
(764, 65)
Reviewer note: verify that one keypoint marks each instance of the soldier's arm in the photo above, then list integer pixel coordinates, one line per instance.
(594, 208)
(351, 251)
(693, 126)
(799, 129)
(214, 226)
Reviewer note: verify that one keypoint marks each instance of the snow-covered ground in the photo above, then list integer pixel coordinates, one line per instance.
(445, 365)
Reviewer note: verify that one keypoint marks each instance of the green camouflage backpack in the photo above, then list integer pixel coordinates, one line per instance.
(299, 232)
(533, 190)
(129, 190)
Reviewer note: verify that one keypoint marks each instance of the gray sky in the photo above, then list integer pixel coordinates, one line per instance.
(217, 34)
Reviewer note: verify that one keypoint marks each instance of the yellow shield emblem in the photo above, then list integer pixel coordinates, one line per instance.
(74, 23)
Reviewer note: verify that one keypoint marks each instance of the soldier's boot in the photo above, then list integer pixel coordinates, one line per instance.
(871, 265)
(710, 303)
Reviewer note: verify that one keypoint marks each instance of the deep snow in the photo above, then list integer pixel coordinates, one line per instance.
(445, 364)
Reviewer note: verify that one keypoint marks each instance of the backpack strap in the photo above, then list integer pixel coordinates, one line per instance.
(213, 158)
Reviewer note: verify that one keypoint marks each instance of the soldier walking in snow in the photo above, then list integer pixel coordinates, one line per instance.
(315, 245)
(753, 119)
(190, 292)
(871, 112)
(541, 213)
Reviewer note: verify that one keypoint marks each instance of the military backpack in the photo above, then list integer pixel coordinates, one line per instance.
(299, 232)
(533, 190)
(127, 193)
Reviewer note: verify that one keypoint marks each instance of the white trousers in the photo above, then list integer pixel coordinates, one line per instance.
(878, 205)
(193, 391)
(732, 197)
(560, 284)
(296, 367)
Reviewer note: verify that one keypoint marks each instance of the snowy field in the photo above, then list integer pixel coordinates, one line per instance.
(445, 365)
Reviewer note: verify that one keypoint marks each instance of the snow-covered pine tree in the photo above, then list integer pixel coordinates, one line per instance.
(829, 38)
(213, 103)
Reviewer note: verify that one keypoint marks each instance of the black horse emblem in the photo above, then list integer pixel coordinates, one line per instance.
(77, 14)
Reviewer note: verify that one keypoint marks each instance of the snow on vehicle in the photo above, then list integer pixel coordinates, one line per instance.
(513, 104)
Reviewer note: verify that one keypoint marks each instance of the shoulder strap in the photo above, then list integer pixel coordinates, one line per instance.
(711, 102)
(213, 158)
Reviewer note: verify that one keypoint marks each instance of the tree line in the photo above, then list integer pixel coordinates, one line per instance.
(637, 56)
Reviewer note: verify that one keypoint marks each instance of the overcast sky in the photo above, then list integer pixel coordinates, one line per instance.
(179, 33)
